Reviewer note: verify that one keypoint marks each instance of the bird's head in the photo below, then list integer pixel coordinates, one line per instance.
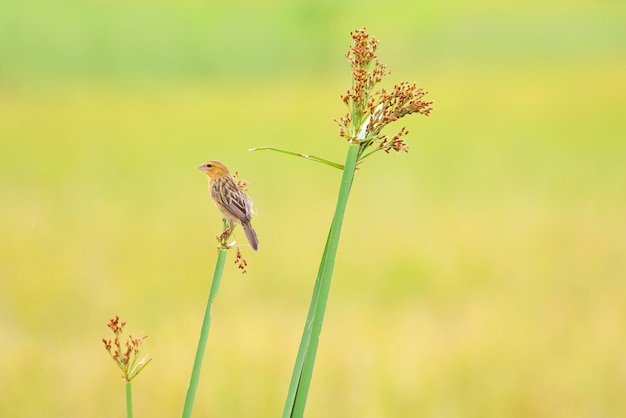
(213, 169)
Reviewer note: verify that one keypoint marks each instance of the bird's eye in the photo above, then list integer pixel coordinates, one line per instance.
(209, 166)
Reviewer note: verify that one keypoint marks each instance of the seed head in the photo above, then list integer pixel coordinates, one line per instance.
(126, 358)
(372, 110)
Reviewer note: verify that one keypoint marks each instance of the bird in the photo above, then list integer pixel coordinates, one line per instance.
(230, 199)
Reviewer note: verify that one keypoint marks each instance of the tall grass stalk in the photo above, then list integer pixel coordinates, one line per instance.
(369, 112)
(303, 371)
(204, 332)
(129, 400)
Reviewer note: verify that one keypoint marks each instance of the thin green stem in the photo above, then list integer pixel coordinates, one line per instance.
(304, 342)
(364, 156)
(308, 351)
(204, 333)
(129, 400)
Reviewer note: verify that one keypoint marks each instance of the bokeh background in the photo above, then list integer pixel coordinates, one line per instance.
(481, 275)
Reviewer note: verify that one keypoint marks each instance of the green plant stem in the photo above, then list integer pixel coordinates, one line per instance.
(204, 333)
(304, 342)
(305, 360)
(129, 400)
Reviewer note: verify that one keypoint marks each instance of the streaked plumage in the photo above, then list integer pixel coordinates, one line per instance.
(230, 199)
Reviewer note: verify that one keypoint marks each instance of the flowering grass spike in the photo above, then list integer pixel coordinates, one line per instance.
(126, 355)
(371, 110)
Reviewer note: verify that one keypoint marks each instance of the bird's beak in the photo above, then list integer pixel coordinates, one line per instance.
(202, 167)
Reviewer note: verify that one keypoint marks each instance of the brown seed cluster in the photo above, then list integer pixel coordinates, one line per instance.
(242, 264)
(370, 111)
(125, 356)
(243, 184)
(361, 56)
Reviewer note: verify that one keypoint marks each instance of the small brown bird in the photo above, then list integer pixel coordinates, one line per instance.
(230, 199)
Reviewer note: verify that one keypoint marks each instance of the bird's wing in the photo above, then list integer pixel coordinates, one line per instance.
(226, 193)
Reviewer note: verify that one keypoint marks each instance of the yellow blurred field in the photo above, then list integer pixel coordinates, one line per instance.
(480, 275)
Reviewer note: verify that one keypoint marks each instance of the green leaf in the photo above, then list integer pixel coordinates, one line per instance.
(297, 154)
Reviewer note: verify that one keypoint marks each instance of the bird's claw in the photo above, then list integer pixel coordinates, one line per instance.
(223, 239)
(226, 233)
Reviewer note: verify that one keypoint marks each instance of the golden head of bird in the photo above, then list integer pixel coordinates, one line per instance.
(214, 169)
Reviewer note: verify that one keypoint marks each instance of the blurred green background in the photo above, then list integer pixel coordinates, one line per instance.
(481, 275)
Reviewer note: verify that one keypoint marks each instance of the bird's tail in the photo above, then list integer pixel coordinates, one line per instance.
(251, 235)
